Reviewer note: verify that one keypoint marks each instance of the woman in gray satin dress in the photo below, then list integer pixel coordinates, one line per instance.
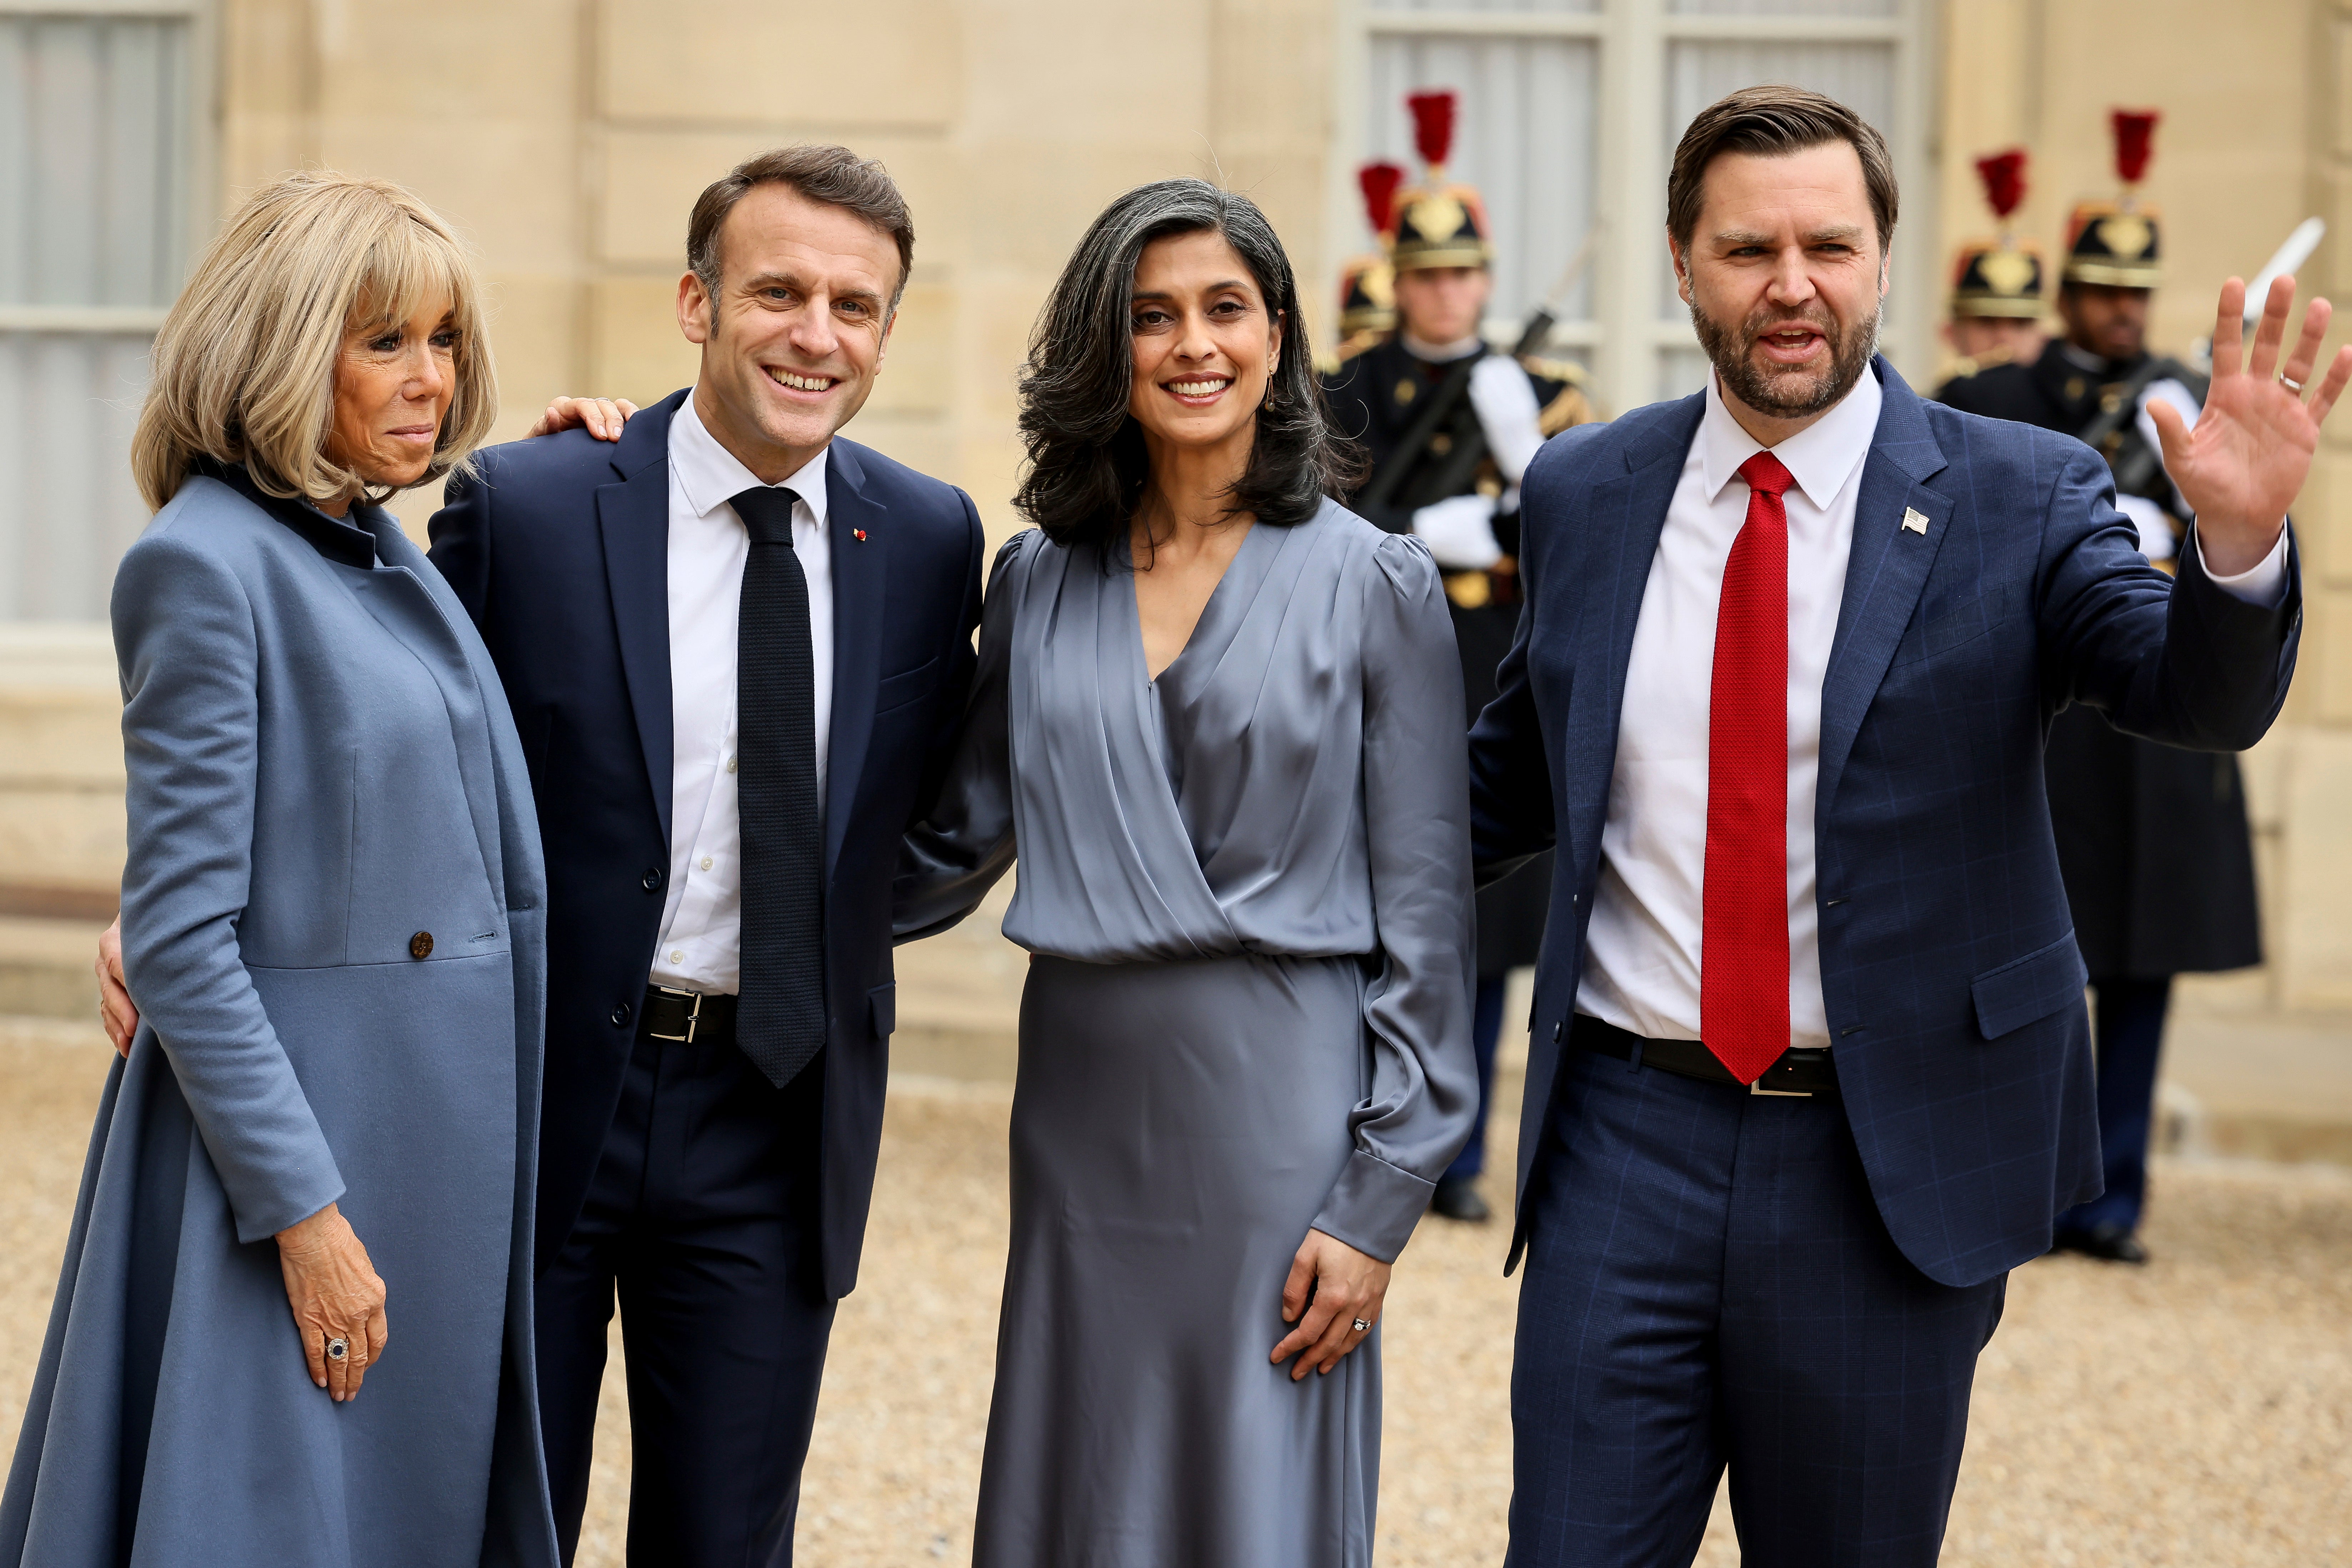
(1221, 719)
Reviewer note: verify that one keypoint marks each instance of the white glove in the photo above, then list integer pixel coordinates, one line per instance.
(1505, 402)
(1460, 531)
(2155, 525)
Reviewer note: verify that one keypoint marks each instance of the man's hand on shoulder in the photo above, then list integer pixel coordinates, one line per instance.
(602, 418)
(2241, 466)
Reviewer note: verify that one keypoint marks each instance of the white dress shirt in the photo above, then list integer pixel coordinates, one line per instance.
(1642, 951)
(701, 945)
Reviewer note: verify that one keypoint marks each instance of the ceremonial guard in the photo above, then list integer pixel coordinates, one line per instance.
(2153, 841)
(1449, 425)
(1996, 315)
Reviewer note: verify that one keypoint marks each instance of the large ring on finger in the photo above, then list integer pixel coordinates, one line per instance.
(1362, 1326)
(337, 1348)
(2291, 383)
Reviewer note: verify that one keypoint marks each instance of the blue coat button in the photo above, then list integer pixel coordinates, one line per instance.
(621, 1016)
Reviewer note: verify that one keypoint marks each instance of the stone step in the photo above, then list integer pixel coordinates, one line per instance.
(46, 967)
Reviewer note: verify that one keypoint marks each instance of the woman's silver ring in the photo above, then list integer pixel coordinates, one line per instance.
(1362, 1326)
(2291, 383)
(337, 1349)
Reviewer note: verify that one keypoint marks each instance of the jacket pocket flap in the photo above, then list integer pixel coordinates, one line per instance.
(882, 1009)
(2028, 988)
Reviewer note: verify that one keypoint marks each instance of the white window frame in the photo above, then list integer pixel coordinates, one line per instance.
(1627, 333)
(204, 159)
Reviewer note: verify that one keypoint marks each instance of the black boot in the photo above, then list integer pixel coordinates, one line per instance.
(2108, 1243)
(1457, 1198)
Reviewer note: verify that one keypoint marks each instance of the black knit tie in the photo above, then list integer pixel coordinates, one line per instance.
(780, 1022)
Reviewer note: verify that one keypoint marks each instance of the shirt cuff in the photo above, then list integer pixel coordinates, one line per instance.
(2263, 583)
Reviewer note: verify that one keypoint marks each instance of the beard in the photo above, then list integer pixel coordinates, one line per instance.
(1787, 393)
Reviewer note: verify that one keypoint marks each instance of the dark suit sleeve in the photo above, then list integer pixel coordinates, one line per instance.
(964, 844)
(1510, 776)
(940, 755)
(460, 532)
(2177, 660)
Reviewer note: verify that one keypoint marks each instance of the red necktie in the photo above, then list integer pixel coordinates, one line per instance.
(1744, 953)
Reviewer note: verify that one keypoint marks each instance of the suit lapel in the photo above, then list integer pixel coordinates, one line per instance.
(857, 529)
(1627, 513)
(633, 516)
(1886, 571)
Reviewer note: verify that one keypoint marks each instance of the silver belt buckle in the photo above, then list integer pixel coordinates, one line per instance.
(1757, 1088)
(693, 1014)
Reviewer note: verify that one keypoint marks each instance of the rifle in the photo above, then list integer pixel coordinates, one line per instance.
(1460, 467)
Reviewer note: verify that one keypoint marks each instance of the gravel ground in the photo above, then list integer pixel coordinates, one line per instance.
(2197, 1412)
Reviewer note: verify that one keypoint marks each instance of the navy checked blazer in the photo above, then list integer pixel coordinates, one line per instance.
(1949, 965)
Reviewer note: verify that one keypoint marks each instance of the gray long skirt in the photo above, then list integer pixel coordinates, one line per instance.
(1175, 1128)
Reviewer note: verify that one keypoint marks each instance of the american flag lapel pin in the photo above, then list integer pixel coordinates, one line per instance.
(1914, 520)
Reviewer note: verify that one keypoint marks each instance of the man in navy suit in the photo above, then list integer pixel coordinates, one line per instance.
(1811, 1068)
(737, 648)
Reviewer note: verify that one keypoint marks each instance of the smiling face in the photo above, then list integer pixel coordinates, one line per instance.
(795, 337)
(393, 382)
(1205, 345)
(1784, 276)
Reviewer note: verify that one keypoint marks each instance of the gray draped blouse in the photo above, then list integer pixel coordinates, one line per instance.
(1294, 785)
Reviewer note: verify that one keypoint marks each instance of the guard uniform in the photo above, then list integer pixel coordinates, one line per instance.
(1382, 395)
(1997, 282)
(2152, 840)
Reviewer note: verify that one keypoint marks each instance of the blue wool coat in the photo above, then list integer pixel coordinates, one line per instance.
(332, 917)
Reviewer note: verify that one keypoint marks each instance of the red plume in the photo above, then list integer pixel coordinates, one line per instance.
(2135, 141)
(1380, 182)
(1432, 124)
(2004, 175)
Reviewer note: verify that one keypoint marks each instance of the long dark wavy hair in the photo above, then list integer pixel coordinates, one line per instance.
(1087, 466)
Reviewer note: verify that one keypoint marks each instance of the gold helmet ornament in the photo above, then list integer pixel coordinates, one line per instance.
(1368, 283)
(2117, 242)
(1438, 223)
(2000, 277)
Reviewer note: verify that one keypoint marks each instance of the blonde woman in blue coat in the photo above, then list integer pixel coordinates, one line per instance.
(331, 925)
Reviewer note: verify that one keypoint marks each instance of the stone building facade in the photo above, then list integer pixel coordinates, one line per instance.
(567, 139)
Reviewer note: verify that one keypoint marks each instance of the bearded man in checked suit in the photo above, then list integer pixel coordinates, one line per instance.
(1811, 1071)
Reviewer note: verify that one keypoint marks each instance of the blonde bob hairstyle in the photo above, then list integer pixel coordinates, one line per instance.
(245, 365)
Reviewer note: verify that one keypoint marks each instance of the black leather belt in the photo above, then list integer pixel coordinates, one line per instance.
(1803, 1071)
(689, 1016)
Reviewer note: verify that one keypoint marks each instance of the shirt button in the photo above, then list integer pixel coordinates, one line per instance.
(730, 765)
(706, 862)
(677, 955)
(421, 945)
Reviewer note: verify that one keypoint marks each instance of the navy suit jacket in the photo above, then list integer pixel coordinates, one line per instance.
(1948, 964)
(558, 548)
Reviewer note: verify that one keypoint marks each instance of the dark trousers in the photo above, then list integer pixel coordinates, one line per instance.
(2130, 1041)
(1486, 1028)
(702, 1217)
(1708, 1283)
